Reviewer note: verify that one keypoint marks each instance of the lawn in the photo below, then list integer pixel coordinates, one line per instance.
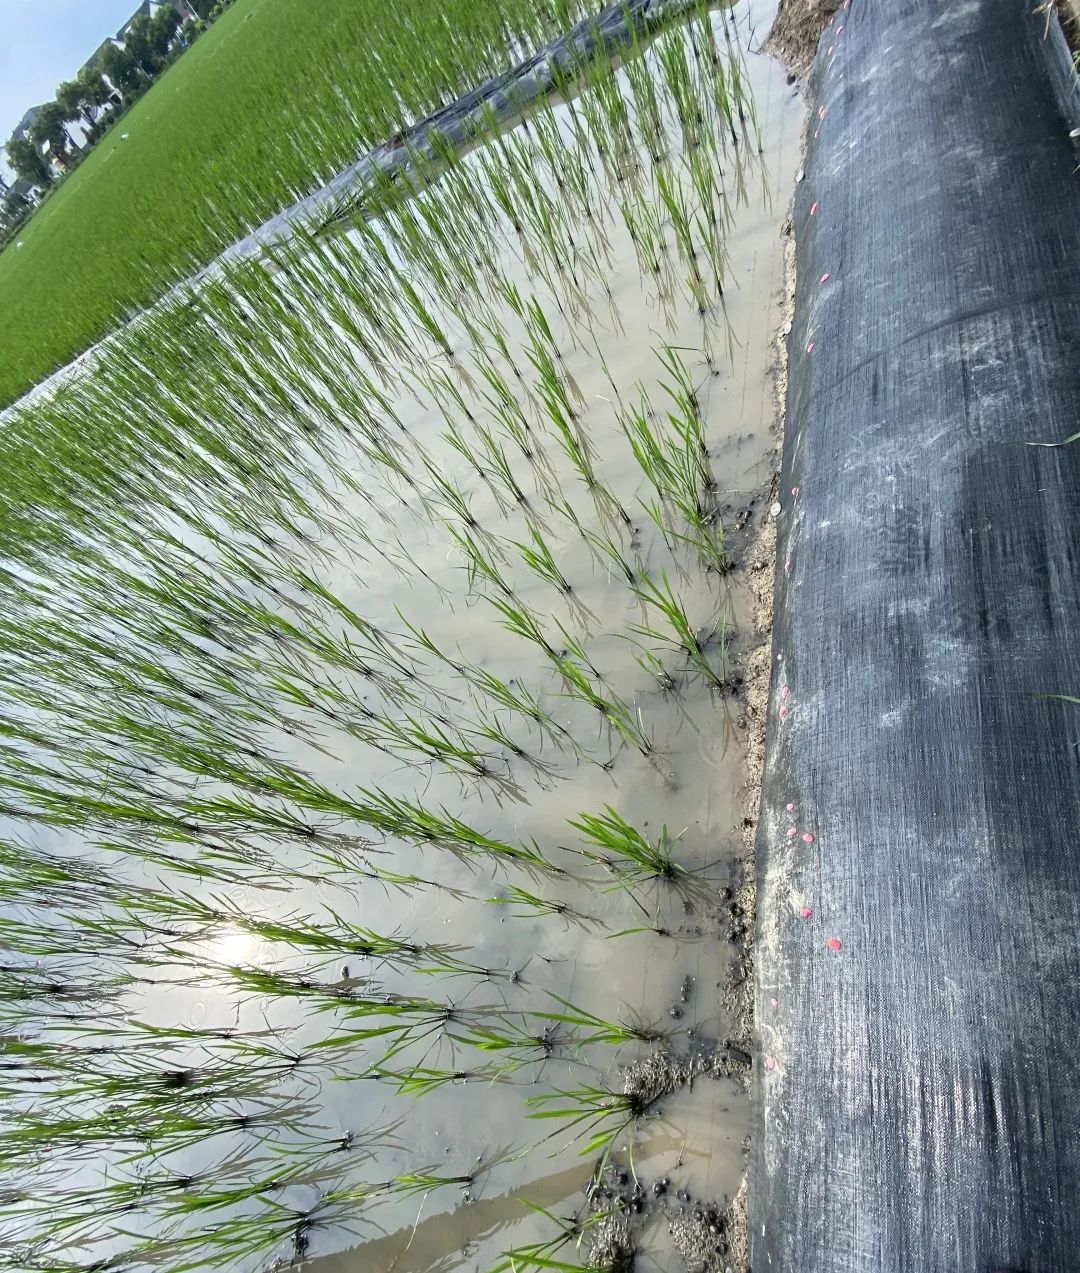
(273, 99)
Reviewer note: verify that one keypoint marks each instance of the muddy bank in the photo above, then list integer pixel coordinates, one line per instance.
(713, 1239)
(712, 1236)
(795, 32)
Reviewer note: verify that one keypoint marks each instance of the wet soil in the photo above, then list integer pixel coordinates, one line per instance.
(796, 30)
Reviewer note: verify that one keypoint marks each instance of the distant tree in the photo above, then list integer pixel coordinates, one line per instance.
(72, 101)
(69, 99)
(122, 69)
(50, 127)
(160, 33)
(138, 44)
(93, 86)
(83, 96)
(28, 161)
(15, 207)
(106, 118)
(190, 31)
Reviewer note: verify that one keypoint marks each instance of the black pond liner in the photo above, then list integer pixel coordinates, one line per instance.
(918, 1083)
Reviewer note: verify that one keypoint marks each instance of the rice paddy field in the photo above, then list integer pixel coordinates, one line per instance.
(273, 100)
(372, 727)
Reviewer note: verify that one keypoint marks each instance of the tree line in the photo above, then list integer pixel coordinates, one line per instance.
(98, 96)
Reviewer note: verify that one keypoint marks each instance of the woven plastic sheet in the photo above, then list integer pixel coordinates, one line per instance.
(918, 1083)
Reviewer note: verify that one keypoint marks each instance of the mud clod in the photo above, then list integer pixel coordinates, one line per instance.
(656, 1075)
(611, 1247)
(796, 30)
(610, 1242)
(712, 1239)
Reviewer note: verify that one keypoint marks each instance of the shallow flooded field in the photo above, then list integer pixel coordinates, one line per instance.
(374, 724)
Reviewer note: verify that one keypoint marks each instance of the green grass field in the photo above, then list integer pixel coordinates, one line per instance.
(277, 96)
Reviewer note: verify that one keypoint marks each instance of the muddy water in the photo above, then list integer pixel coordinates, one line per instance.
(695, 1138)
(671, 973)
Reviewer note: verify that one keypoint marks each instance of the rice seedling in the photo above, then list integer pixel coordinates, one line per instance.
(339, 939)
(402, 1023)
(408, 819)
(422, 1182)
(422, 1080)
(458, 441)
(480, 564)
(501, 468)
(585, 684)
(655, 669)
(632, 855)
(596, 1029)
(523, 902)
(519, 699)
(444, 745)
(659, 596)
(546, 1254)
(676, 465)
(680, 219)
(592, 1113)
(515, 1043)
(538, 556)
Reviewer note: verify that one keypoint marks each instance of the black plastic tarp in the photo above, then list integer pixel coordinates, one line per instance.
(918, 955)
